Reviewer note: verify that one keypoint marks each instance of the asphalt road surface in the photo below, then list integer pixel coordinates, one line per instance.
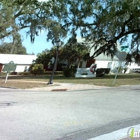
(73, 115)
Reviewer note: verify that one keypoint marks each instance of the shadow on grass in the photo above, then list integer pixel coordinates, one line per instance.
(36, 81)
(61, 77)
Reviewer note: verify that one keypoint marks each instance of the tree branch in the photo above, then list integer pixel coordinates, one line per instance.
(9, 33)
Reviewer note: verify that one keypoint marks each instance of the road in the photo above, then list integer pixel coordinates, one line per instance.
(73, 115)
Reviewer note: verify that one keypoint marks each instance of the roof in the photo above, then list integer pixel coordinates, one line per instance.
(17, 59)
(106, 58)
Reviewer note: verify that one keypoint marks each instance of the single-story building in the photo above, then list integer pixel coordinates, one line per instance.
(22, 61)
(103, 61)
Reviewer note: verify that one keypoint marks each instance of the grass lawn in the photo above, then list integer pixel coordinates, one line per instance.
(41, 81)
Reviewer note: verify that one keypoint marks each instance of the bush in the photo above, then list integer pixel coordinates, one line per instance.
(2, 73)
(50, 72)
(107, 70)
(24, 73)
(37, 69)
(69, 72)
(13, 73)
(102, 71)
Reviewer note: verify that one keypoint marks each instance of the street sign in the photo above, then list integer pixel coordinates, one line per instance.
(11, 66)
(121, 55)
(124, 48)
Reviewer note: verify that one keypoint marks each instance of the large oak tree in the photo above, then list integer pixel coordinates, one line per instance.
(103, 23)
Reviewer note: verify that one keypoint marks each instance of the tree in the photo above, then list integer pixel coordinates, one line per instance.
(69, 53)
(103, 23)
(18, 49)
(36, 69)
(30, 14)
(74, 51)
(15, 47)
(44, 58)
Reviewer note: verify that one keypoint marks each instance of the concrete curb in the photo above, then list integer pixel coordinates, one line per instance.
(67, 87)
(118, 135)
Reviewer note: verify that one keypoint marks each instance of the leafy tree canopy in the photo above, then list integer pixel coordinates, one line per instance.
(74, 51)
(31, 14)
(103, 23)
(69, 53)
(13, 47)
(5, 48)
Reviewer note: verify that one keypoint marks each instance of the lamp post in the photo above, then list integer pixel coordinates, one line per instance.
(58, 44)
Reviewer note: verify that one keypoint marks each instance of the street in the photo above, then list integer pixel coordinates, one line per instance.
(65, 115)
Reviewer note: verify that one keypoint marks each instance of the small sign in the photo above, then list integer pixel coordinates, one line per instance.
(11, 66)
(121, 55)
(124, 48)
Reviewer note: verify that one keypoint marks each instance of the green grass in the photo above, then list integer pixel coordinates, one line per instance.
(133, 79)
(40, 81)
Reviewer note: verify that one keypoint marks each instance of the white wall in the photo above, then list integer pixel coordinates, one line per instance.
(17, 59)
(102, 64)
(20, 60)
(133, 65)
(21, 68)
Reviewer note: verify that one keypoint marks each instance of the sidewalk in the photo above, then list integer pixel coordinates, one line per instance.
(122, 134)
(67, 87)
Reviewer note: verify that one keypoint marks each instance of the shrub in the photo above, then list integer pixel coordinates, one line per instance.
(107, 70)
(24, 73)
(13, 73)
(56, 72)
(37, 69)
(2, 73)
(69, 72)
(102, 71)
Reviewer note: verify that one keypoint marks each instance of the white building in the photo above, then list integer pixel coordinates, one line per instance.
(103, 61)
(22, 61)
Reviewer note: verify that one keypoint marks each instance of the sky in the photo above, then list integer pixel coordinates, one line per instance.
(39, 45)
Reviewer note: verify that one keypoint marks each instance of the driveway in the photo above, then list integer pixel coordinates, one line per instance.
(65, 115)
